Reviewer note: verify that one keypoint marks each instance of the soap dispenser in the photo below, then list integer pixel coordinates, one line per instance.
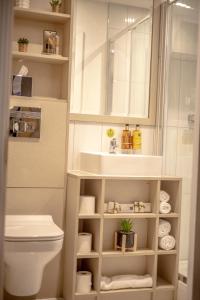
(126, 143)
(137, 140)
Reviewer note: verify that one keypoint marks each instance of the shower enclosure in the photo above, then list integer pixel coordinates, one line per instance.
(180, 111)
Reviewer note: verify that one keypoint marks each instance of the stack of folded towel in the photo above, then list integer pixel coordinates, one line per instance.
(126, 282)
(166, 241)
(165, 206)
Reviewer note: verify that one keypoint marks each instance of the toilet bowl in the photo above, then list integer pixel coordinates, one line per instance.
(31, 242)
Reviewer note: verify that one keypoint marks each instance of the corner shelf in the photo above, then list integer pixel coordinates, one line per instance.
(39, 57)
(39, 15)
(104, 261)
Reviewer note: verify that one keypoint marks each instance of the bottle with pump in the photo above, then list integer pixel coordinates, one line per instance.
(126, 143)
(137, 140)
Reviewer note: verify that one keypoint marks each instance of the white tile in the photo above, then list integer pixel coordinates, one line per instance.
(185, 226)
(170, 151)
(87, 137)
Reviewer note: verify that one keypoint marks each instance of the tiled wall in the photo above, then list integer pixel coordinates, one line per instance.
(92, 137)
(178, 145)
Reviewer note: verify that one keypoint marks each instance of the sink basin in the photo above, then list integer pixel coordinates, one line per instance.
(120, 164)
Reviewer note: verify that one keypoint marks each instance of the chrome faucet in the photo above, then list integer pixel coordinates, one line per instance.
(113, 146)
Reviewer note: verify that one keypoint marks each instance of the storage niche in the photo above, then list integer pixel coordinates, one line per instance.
(129, 191)
(107, 261)
(144, 228)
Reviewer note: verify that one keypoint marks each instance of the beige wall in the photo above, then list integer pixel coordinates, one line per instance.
(35, 182)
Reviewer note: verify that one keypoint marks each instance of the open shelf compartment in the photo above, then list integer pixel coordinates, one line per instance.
(129, 191)
(91, 226)
(144, 228)
(90, 265)
(173, 188)
(93, 188)
(167, 272)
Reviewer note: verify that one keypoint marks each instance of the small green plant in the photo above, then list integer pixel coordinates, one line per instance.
(126, 225)
(23, 41)
(54, 3)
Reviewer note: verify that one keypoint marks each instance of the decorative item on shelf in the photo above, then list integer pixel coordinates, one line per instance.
(84, 242)
(139, 207)
(55, 5)
(87, 205)
(137, 140)
(165, 206)
(125, 239)
(147, 207)
(83, 282)
(22, 3)
(23, 44)
(126, 140)
(22, 84)
(111, 207)
(50, 39)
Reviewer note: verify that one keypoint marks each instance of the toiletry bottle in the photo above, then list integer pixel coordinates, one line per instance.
(126, 144)
(137, 140)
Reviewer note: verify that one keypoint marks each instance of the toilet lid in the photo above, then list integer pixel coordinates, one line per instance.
(32, 228)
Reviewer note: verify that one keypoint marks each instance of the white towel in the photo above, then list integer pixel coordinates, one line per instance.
(164, 228)
(126, 282)
(164, 196)
(167, 242)
(165, 208)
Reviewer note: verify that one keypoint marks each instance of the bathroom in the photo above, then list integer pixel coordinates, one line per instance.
(99, 112)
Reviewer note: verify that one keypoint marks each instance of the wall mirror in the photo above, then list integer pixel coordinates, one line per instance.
(115, 53)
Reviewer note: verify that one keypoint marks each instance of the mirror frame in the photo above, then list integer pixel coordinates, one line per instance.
(153, 89)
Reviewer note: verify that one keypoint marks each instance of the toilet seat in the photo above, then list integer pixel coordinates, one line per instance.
(31, 228)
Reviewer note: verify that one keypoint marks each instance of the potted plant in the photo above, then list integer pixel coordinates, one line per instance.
(126, 236)
(23, 44)
(55, 5)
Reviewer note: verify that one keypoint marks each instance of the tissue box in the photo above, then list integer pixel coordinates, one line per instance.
(22, 86)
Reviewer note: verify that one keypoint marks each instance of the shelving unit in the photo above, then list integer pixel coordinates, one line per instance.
(49, 72)
(104, 260)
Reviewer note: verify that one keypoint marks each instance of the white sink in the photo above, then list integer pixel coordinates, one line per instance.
(121, 164)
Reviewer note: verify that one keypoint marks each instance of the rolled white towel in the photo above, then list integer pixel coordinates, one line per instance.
(167, 242)
(164, 228)
(126, 282)
(165, 208)
(164, 196)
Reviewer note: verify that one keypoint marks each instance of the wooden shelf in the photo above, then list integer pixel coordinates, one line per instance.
(163, 284)
(165, 252)
(139, 290)
(171, 215)
(94, 216)
(147, 259)
(92, 254)
(39, 15)
(92, 293)
(130, 216)
(37, 98)
(145, 252)
(39, 57)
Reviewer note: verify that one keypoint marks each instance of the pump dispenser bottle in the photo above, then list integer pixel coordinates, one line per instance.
(137, 140)
(126, 140)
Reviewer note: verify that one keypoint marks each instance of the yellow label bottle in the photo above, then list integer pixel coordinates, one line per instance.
(126, 143)
(137, 140)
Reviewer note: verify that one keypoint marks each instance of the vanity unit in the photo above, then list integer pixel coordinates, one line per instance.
(103, 259)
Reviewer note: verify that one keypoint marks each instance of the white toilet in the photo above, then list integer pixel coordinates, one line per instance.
(30, 243)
